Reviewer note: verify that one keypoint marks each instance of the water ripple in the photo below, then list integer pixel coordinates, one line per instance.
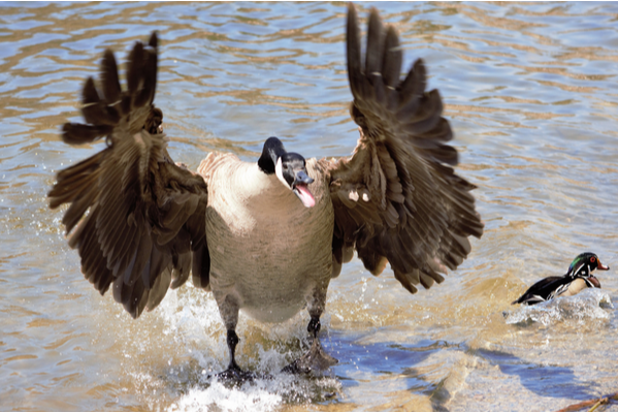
(529, 89)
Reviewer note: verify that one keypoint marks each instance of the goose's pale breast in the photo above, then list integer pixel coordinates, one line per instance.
(267, 250)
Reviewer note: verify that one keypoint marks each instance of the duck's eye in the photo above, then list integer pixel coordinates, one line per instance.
(592, 259)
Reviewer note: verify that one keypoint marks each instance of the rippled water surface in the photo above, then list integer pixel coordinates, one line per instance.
(530, 90)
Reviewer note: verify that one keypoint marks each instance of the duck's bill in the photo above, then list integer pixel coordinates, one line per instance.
(302, 191)
(602, 267)
(595, 282)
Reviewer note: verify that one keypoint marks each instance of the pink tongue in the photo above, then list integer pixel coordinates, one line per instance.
(305, 196)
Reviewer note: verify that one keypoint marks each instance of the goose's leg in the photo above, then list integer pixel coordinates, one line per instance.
(233, 371)
(229, 312)
(315, 359)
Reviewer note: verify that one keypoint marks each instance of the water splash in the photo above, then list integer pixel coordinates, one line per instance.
(192, 327)
(247, 398)
(260, 395)
(583, 307)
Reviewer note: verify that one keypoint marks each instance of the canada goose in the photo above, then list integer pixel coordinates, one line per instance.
(267, 237)
(578, 277)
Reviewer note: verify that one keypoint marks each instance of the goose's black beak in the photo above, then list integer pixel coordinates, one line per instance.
(302, 177)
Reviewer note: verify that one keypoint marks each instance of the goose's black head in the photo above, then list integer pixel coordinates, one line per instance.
(583, 266)
(289, 168)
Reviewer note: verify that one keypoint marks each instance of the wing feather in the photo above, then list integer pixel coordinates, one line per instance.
(139, 218)
(397, 198)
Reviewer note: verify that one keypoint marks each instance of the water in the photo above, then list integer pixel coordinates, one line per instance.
(530, 92)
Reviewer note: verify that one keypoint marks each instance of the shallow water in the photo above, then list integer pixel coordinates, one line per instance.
(530, 91)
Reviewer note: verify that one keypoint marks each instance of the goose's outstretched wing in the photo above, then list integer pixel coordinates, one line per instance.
(397, 198)
(145, 226)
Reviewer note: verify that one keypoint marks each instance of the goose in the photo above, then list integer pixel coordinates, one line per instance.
(266, 237)
(577, 278)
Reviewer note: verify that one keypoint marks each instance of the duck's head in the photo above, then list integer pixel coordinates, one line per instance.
(290, 169)
(583, 266)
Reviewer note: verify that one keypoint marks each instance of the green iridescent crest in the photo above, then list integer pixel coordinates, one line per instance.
(579, 262)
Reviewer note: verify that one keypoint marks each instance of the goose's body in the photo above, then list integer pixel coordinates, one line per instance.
(578, 277)
(244, 219)
(267, 237)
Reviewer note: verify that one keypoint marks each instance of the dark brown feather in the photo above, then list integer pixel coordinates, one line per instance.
(397, 197)
(392, 60)
(146, 223)
(375, 50)
(353, 51)
(413, 86)
(76, 133)
(109, 77)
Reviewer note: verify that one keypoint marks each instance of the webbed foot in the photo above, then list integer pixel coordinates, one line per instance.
(233, 374)
(316, 359)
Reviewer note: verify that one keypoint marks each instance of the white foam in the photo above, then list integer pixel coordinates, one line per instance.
(581, 307)
(249, 397)
(191, 319)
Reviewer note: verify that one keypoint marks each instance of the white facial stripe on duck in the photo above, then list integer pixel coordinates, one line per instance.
(592, 282)
(584, 272)
(584, 264)
(588, 262)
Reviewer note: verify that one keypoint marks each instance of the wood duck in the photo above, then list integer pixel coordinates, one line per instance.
(578, 277)
(267, 237)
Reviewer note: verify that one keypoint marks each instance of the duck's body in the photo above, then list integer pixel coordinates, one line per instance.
(578, 277)
(267, 237)
(578, 285)
(244, 218)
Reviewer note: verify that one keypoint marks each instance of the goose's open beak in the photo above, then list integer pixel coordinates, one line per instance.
(300, 188)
